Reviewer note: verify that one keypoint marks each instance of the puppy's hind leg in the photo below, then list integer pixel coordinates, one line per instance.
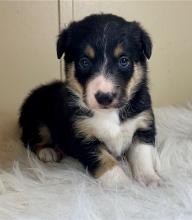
(39, 141)
(45, 150)
(47, 153)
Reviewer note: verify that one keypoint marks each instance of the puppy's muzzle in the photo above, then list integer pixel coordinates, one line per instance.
(105, 99)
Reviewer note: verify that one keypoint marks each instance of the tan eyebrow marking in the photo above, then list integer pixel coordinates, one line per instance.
(89, 51)
(118, 51)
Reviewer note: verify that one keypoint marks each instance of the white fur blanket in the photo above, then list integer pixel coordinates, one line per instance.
(32, 190)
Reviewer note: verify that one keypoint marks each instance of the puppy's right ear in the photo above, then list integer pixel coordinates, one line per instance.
(62, 42)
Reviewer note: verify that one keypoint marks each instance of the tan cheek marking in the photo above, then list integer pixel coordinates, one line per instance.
(107, 162)
(118, 51)
(134, 81)
(90, 52)
(72, 81)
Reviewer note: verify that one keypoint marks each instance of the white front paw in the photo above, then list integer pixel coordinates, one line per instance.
(144, 163)
(148, 179)
(114, 177)
(47, 155)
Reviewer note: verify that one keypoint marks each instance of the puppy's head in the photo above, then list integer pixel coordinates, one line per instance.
(105, 59)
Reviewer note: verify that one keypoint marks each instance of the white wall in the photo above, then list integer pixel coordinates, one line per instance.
(29, 29)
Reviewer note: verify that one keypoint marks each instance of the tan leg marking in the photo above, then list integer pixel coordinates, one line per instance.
(107, 162)
(109, 173)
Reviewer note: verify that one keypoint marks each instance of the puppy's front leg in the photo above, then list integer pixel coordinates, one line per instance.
(103, 166)
(144, 161)
(108, 171)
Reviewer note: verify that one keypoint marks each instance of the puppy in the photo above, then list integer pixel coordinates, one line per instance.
(103, 109)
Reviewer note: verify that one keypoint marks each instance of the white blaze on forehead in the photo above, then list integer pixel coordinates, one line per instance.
(99, 83)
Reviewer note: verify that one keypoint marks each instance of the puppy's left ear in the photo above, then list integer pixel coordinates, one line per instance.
(146, 43)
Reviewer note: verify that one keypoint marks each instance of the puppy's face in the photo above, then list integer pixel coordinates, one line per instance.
(105, 58)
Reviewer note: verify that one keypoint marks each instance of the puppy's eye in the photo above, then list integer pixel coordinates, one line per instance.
(123, 62)
(84, 63)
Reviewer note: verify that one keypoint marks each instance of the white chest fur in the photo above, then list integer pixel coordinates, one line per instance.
(106, 126)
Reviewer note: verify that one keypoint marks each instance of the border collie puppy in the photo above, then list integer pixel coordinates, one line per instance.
(103, 109)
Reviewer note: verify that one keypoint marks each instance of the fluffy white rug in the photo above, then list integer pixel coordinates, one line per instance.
(30, 189)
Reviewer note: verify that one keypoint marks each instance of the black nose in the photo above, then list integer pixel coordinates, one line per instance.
(104, 98)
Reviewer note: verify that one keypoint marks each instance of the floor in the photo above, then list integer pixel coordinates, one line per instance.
(30, 189)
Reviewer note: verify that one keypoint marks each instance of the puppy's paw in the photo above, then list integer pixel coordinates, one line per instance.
(48, 155)
(114, 178)
(148, 179)
(144, 164)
